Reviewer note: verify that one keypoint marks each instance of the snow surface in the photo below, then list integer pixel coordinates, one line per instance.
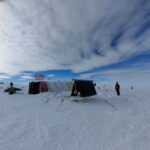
(52, 121)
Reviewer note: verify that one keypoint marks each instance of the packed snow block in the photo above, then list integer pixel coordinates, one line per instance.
(58, 86)
(38, 87)
(83, 88)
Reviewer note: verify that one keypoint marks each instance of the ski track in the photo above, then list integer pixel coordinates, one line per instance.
(52, 121)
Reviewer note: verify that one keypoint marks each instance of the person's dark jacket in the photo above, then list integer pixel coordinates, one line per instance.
(117, 86)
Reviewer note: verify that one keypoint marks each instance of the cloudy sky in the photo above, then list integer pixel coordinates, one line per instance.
(106, 40)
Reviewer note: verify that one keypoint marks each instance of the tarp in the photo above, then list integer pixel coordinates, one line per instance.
(43, 87)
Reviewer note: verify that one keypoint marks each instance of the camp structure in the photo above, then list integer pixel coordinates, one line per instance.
(49, 86)
(83, 88)
(38, 87)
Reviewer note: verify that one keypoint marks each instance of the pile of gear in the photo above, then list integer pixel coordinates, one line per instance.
(12, 90)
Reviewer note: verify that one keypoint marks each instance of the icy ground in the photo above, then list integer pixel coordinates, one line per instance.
(51, 121)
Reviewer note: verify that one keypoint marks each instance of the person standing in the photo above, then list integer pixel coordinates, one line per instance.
(117, 88)
(11, 91)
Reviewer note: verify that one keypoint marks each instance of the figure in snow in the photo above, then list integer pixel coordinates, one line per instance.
(117, 88)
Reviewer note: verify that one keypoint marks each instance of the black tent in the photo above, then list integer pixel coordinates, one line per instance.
(37, 87)
(84, 88)
(34, 88)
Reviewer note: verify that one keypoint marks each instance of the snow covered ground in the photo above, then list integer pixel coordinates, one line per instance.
(52, 121)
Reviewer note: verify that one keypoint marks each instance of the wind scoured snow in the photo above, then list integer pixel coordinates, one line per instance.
(52, 121)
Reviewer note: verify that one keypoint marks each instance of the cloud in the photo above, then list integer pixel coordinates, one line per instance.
(135, 74)
(88, 75)
(49, 76)
(26, 77)
(77, 35)
(3, 77)
(135, 77)
(127, 75)
(27, 74)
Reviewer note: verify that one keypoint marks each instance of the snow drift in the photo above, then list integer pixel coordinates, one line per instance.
(52, 121)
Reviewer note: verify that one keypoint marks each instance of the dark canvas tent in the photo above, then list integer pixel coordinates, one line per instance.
(38, 87)
(83, 88)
